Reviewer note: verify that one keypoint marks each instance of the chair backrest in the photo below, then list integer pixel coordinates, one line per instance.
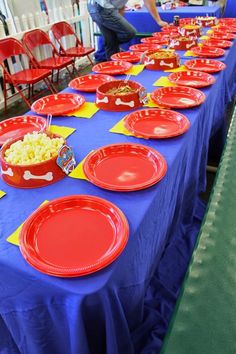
(10, 47)
(36, 38)
(39, 45)
(13, 56)
(63, 29)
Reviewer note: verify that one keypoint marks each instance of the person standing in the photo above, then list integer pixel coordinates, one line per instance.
(108, 15)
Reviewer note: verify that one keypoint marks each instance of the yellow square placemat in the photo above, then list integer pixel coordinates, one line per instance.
(163, 81)
(135, 70)
(176, 70)
(60, 130)
(2, 194)
(210, 31)
(86, 111)
(120, 128)
(188, 53)
(204, 37)
(14, 237)
(78, 171)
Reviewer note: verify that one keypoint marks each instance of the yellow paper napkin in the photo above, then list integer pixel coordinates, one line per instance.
(151, 103)
(210, 31)
(86, 111)
(14, 237)
(78, 171)
(2, 194)
(120, 128)
(188, 53)
(163, 81)
(204, 37)
(135, 70)
(60, 130)
(176, 70)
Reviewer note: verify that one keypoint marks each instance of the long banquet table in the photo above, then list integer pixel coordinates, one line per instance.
(124, 308)
(143, 21)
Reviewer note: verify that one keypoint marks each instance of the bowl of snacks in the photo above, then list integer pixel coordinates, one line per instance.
(190, 30)
(163, 59)
(29, 161)
(206, 21)
(120, 95)
(183, 43)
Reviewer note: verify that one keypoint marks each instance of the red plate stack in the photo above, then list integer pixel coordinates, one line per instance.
(125, 167)
(131, 57)
(192, 78)
(206, 65)
(89, 83)
(50, 243)
(156, 123)
(117, 67)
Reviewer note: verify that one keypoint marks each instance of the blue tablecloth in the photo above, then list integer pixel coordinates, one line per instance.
(124, 308)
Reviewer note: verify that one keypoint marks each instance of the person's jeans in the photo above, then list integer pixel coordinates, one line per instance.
(113, 26)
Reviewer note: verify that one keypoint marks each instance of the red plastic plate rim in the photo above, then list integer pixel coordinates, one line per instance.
(112, 67)
(128, 122)
(206, 65)
(98, 182)
(30, 253)
(205, 78)
(158, 94)
(208, 51)
(76, 101)
(17, 123)
(92, 81)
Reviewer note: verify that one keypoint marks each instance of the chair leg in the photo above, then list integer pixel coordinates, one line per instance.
(92, 63)
(5, 95)
(75, 69)
(50, 85)
(70, 72)
(22, 96)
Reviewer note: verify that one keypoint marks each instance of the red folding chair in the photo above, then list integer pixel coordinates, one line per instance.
(19, 70)
(63, 29)
(44, 52)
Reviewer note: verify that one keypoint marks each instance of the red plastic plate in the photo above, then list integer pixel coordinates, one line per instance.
(74, 236)
(219, 43)
(192, 78)
(156, 40)
(178, 97)
(142, 47)
(125, 167)
(131, 57)
(19, 126)
(58, 104)
(227, 28)
(206, 65)
(89, 83)
(223, 35)
(156, 123)
(209, 52)
(112, 67)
